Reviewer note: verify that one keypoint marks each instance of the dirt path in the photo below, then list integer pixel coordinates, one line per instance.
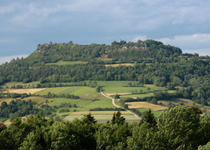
(113, 102)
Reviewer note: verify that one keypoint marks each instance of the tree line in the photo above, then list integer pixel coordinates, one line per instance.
(171, 130)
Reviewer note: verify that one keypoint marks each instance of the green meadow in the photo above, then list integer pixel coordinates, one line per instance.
(120, 87)
(67, 63)
(102, 116)
(10, 84)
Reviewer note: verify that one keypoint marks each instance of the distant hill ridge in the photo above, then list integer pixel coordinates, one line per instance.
(119, 51)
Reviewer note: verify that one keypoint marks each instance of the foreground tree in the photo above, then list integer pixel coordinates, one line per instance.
(178, 128)
(118, 119)
(149, 118)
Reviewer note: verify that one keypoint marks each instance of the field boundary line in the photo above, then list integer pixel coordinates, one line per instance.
(113, 102)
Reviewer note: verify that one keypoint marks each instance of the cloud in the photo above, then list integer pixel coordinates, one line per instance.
(201, 52)
(7, 9)
(194, 41)
(131, 15)
(142, 38)
(6, 40)
(9, 58)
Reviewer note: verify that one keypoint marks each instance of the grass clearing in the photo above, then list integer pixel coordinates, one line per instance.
(10, 84)
(117, 65)
(7, 122)
(67, 63)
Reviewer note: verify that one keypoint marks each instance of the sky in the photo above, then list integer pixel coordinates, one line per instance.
(25, 23)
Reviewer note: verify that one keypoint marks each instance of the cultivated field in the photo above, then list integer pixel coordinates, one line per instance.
(90, 99)
(146, 105)
(21, 91)
(137, 95)
(118, 87)
(7, 100)
(102, 116)
(187, 102)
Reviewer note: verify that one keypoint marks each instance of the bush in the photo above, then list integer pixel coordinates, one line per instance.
(64, 110)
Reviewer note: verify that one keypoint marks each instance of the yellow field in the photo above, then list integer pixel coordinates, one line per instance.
(7, 100)
(109, 94)
(116, 65)
(21, 91)
(146, 105)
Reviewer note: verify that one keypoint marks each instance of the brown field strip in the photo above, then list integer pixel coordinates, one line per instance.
(145, 105)
(21, 91)
(109, 94)
(7, 100)
(116, 65)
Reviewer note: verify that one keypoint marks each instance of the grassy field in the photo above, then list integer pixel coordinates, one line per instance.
(102, 116)
(10, 84)
(67, 63)
(118, 87)
(76, 90)
(83, 91)
(83, 105)
(38, 99)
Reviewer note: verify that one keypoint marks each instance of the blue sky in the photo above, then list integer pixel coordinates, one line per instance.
(25, 23)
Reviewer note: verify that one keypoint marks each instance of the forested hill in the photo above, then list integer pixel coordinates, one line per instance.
(122, 51)
(149, 62)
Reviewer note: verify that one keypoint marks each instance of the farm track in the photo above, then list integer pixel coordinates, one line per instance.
(113, 102)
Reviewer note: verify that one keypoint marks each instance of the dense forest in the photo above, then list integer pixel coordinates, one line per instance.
(180, 128)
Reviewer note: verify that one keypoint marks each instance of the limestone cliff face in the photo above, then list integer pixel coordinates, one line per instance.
(42, 47)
